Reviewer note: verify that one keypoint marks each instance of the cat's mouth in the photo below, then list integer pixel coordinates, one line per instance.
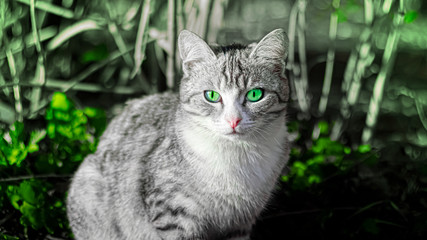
(234, 134)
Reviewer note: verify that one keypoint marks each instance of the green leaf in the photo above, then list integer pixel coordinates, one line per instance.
(65, 131)
(17, 155)
(96, 54)
(321, 144)
(318, 159)
(14, 200)
(62, 116)
(58, 204)
(91, 112)
(341, 15)
(364, 148)
(97, 119)
(347, 150)
(51, 130)
(299, 168)
(32, 215)
(16, 132)
(314, 179)
(284, 178)
(7, 237)
(370, 226)
(71, 31)
(79, 118)
(323, 127)
(49, 114)
(27, 193)
(32, 148)
(60, 102)
(36, 136)
(410, 16)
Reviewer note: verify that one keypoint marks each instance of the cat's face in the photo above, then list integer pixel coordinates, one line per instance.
(234, 92)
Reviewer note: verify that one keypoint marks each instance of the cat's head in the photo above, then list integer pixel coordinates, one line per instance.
(234, 91)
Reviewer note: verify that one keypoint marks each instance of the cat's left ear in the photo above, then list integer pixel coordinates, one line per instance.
(274, 46)
(193, 49)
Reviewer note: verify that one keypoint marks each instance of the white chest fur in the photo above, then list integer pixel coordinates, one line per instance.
(237, 167)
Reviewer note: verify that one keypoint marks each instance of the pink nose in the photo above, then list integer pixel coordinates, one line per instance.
(234, 122)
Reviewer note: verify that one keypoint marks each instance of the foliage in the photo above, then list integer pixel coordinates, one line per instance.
(29, 158)
(323, 159)
(338, 191)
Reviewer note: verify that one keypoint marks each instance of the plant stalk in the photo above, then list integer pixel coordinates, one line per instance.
(333, 25)
(172, 35)
(386, 67)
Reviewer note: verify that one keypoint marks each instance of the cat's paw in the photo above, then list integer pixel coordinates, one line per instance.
(240, 238)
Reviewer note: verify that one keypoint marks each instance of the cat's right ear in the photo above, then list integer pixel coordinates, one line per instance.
(193, 50)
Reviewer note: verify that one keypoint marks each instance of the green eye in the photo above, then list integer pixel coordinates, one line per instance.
(212, 96)
(254, 95)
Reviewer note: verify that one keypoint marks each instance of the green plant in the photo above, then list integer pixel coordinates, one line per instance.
(324, 159)
(345, 190)
(30, 158)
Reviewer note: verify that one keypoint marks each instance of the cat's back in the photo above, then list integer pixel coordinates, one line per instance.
(142, 119)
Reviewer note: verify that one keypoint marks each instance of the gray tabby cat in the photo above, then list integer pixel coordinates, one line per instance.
(200, 164)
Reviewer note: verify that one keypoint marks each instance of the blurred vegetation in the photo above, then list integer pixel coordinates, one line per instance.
(36, 165)
(333, 190)
(357, 70)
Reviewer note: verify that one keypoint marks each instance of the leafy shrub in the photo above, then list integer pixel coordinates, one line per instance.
(346, 191)
(323, 159)
(31, 159)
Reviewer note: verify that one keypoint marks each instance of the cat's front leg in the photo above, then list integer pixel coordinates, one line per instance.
(246, 237)
(239, 235)
(177, 231)
(176, 224)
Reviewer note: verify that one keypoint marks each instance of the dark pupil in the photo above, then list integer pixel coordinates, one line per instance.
(212, 95)
(253, 94)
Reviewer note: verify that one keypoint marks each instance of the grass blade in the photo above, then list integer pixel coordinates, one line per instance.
(120, 42)
(40, 78)
(141, 38)
(365, 208)
(386, 67)
(35, 32)
(333, 25)
(3, 8)
(302, 55)
(40, 71)
(16, 88)
(389, 223)
(291, 66)
(172, 36)
(44, 34)
(63, 85)
(50, 8)
(71, 31)
(298, 72)
(420, 110)
(360, 59)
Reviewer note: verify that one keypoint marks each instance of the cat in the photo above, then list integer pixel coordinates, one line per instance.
(200, 164)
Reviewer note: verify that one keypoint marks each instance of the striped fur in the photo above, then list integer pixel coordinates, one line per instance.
(168, 168)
